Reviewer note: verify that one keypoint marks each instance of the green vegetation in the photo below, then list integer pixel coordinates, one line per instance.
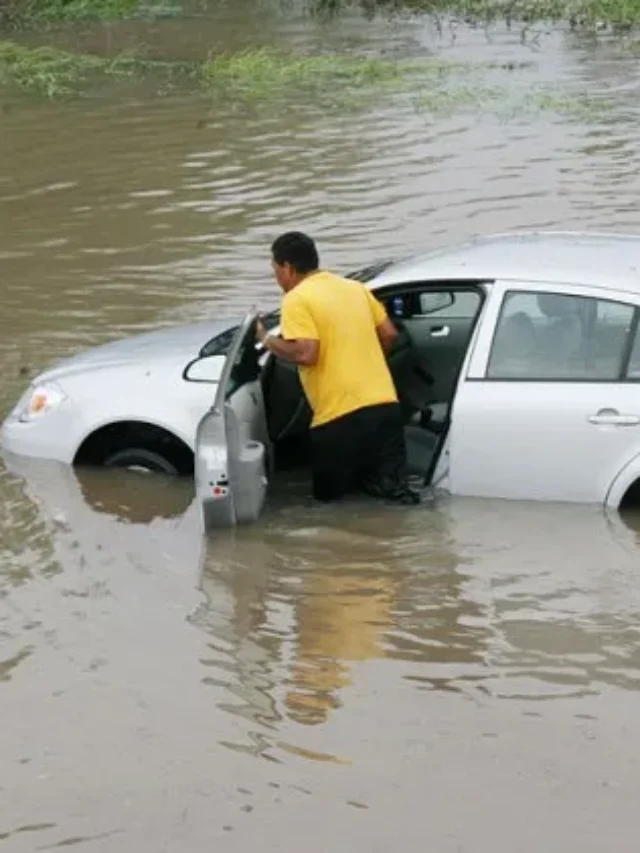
(580, 14)
(23, 14)
(618, 15)
(262, 77)
(45, 70)
(53, 73)
(259, 74)
(253, 76)
(264, 73)
(506, 104)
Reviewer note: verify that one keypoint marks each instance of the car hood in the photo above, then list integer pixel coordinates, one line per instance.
(182, 343)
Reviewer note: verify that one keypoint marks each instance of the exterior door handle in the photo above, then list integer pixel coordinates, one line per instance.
(440, 331)
(612, 417)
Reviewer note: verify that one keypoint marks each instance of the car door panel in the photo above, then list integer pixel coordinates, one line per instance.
(232, 449)
(555, 422)
(441, 345)
(542, 448)
(439, 319)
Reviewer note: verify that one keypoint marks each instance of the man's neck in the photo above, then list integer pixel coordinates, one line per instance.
(304, 278)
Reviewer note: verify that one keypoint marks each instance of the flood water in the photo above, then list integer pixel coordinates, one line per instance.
(459, 678)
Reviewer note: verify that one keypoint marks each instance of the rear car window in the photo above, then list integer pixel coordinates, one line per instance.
(560, 336)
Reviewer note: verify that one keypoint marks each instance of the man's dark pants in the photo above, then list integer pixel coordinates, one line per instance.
(362, 451)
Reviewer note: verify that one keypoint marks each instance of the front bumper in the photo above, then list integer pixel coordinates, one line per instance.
(47, 438)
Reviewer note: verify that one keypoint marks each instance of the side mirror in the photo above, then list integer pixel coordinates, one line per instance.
(204, 369)
(436, 301)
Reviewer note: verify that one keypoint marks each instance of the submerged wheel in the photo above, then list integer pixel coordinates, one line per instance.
(138, 446)
(140, 459)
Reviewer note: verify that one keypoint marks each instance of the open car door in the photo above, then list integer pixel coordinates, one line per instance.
(232, 447)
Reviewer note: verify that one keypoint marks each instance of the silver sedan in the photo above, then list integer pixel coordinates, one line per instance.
(517, 368)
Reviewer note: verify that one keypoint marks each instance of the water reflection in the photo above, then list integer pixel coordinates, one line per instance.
(480, 598)
(244, 649)
(297, 604)
(564, 598)
(342, 612)
(75, 541)
(489, 600)
(101, 506)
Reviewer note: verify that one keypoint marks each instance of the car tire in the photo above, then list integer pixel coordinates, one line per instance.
(141, 459)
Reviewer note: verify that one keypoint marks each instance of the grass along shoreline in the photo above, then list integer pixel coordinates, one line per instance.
(254, 74)
(262, 77)
(41, 14)
(52, 73)
(588, 15)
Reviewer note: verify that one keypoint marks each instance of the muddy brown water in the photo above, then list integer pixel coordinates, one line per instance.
(460, 677)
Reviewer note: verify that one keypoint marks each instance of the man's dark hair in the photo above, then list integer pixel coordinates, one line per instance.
(297, 249)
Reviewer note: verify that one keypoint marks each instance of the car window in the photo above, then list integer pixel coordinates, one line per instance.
(553, 336)
(633, 368)
(450, 305)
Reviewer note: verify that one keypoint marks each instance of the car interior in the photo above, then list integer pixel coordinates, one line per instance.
(434, 330)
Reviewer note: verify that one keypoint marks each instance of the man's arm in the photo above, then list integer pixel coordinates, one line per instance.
(303, 351)
(387, 335)
(300, 342)
(386, 331)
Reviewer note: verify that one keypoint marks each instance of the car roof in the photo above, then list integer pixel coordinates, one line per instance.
(592, 259)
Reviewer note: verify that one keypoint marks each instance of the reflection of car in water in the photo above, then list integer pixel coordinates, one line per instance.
(464, 600)
(517, 369)
(301, 604)
(96, 517)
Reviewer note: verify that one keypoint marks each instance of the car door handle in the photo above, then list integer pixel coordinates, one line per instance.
(612, 417)
(440, 331)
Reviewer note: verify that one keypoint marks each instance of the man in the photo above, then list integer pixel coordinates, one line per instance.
(338, 333)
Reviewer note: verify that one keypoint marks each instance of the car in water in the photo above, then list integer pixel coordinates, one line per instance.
(517, 367)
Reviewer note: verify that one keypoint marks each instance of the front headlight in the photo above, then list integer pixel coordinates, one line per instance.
(39, 401)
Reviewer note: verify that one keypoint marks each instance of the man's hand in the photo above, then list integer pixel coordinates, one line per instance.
(302, 352)
(261, 332)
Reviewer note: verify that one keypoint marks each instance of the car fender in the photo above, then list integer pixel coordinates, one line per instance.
(178, 423)
(625, 478)
(160, 397)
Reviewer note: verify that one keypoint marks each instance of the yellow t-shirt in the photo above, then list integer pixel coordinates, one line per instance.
(351, 371)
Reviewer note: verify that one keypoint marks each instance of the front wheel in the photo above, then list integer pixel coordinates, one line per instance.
(141, 459)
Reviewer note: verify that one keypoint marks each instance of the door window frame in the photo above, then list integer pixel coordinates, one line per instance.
(483, 288)
(479, 362)
(222, 391)
(478, 286)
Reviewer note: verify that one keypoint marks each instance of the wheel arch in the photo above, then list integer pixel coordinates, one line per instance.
(625, 486)
(114, 435)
